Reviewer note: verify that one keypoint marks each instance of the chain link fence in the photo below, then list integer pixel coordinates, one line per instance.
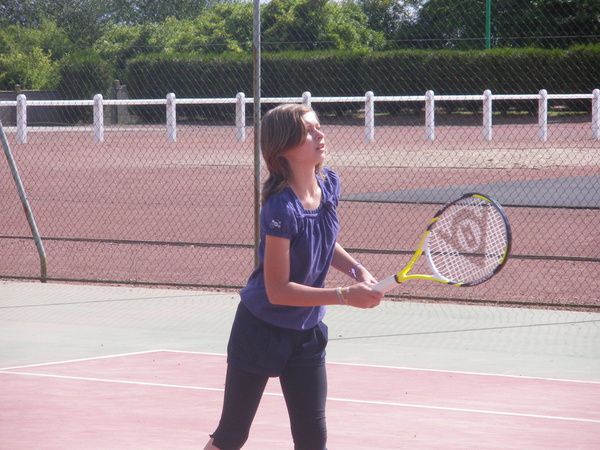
(149, 179)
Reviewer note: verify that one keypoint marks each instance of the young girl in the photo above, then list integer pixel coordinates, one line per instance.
(278, 329)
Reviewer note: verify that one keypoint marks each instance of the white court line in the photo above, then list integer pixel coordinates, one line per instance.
(333, 399)
(92, 358)
(414, 369)
(461, 372)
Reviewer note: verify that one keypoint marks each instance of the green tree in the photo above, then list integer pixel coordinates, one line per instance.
(461, 23)
(48, 37)
(555, 23)
(389, 16)
(295, 24)
(30, 56)
(448, 23)
(144, 11)
(82, 20)
(316, 24)
(226, 27)
(31, 70)
(120, 43)
(348, 28)
(18, 12)
(238, 17)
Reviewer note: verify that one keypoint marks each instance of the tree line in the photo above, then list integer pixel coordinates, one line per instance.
(38, 38)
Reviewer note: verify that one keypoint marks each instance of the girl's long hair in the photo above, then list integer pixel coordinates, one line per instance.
(282, 129)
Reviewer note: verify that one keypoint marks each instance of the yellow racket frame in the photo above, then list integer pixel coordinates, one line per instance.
(402, 276)
(393, 281)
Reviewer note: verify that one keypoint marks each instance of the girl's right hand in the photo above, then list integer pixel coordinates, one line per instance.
(362, 295)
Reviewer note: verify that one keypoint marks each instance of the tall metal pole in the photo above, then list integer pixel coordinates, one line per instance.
(257, 118)
(488, 24)
(26, 207)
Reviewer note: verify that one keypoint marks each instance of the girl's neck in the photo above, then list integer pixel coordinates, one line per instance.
(304, 184)
(303, 180)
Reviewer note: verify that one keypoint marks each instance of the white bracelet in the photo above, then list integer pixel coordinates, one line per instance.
(340, 296)
(353, 270)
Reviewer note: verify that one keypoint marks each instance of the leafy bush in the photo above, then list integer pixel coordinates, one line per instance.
(33, 70)
(29, 56)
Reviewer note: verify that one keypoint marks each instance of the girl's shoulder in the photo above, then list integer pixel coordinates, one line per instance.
(280, 204)
(331, 181)
(278, 215)
(282, 199)
(328, 172)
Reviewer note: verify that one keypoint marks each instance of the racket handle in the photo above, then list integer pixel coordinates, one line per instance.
(387, 284)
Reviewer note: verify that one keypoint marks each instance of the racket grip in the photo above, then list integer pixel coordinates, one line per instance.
(387, 284)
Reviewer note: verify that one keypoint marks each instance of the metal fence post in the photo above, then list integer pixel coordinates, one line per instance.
(240, 117)
(430, 115)
(369, 116)
(171, 118)
(98, 118)
(543, 116)
(26, 206)
(596, 114)
(256, 84)
(487, 115)
(21, 119)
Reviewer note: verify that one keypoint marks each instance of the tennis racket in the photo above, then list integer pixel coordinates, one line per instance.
(466, 243)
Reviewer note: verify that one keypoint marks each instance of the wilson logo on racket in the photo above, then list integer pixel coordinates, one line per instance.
(467, 232)
(466, 243)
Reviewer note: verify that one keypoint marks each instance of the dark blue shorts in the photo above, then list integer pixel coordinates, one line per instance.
(264, 349)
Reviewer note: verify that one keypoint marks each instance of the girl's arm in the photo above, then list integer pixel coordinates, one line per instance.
(344, 262)
(281, 291)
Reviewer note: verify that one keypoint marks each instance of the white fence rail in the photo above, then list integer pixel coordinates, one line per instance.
(369, 100)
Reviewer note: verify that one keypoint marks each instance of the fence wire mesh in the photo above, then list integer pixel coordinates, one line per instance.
(139, 190)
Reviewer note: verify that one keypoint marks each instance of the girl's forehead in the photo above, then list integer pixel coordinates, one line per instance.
(310, 118)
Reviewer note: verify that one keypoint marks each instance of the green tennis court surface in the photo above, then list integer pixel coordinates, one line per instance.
(48, 322)
(94, 354)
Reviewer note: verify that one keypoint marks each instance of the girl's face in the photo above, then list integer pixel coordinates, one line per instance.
(313, 150)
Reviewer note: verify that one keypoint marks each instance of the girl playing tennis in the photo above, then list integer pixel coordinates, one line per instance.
(278, 329)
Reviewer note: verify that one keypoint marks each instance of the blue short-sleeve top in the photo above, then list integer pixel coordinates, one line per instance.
(312, 235)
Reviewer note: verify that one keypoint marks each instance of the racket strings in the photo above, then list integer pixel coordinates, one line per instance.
(468, 241)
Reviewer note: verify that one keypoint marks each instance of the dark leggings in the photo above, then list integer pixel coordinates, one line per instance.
(305, 392)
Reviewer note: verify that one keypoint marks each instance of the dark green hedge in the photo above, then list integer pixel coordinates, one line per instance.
(83, 75)
(335, 73)
(154, 76)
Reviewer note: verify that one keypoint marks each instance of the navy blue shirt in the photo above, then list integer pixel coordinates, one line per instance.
(312, 235)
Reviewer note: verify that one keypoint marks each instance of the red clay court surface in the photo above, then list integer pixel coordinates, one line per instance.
(137, 208)
(168, 399)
